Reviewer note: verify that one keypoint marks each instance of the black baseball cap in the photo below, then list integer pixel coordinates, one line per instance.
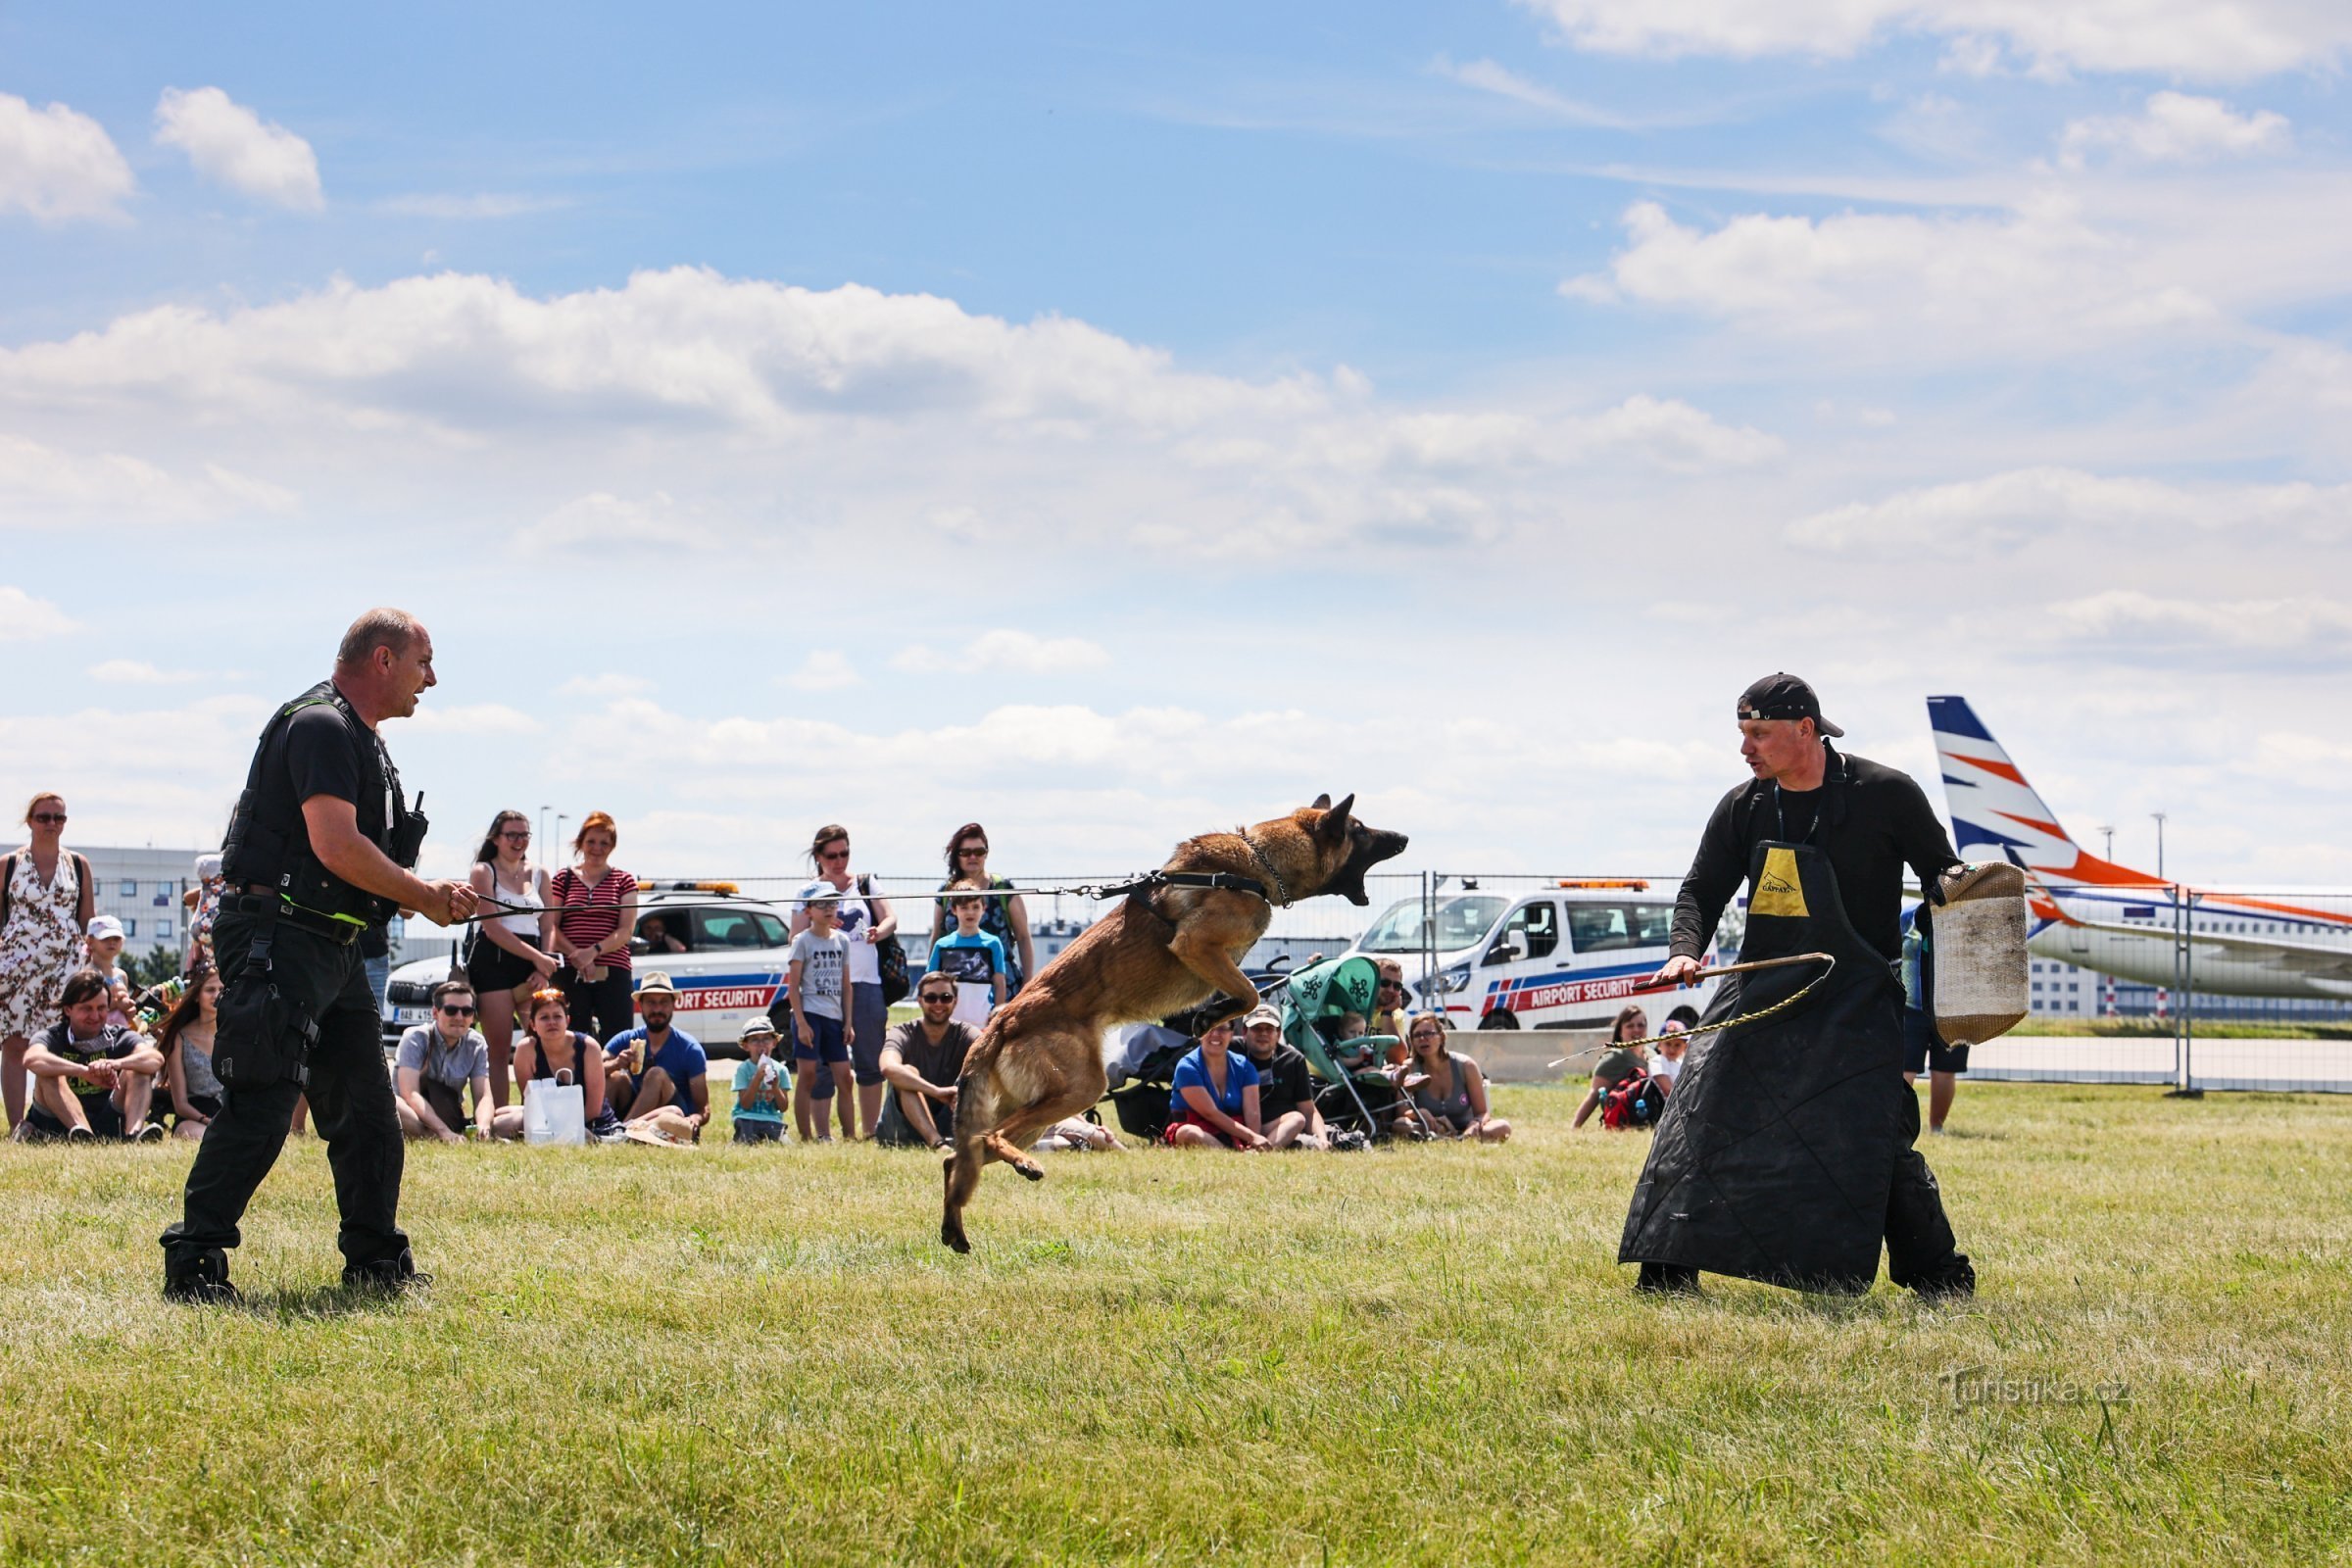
(1782, 695)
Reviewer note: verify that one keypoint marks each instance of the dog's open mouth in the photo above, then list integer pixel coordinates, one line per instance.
(1375, 846)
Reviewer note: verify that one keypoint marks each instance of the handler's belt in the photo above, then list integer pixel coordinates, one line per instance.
(269, 908)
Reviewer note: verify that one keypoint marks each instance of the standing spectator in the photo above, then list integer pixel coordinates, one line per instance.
(1212, 1097)
(437, 1064)
(1622, 1061)
(656, 1068)
(46, 893)
(761, 1088)
(203, 901)
(1285, 1087)
(1674, 1038)
(819, 961)
(91, 1078)
(1452, 1092)
(554, 1050)
(507, 963)
(104, 950)
(865, 919)
(1924, 1050)
(922, 1063)
(971, 958)
(1006, 917)
(186, 1043)
(594, 913)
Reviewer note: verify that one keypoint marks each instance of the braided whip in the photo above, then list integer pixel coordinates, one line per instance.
(1826, 961)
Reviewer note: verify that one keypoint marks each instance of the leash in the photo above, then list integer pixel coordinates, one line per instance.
(1782, 1005)
(1149, 881)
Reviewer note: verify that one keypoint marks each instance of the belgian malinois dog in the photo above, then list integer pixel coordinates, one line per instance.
(1040, 1057)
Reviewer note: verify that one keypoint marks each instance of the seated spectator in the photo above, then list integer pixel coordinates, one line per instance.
(1285, 1088)
(91, 1079)
(185, 1041)
(1449, 1091)
(1212, 1098)
(1075, 1132)
(820, 962)
(1685, 1014)
(971, 958)
(1390, 1004)
(553, 1051)
(762, 1090)
(656, 1074)
(1622, 1061)
(121, 1007)
(1673, 1040)
(921, 1062)
(654, 932)
(437, 1062)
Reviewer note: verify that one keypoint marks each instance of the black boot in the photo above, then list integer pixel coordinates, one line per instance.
(1955, 1281)
(388, 1276)
(201, 1281)
(1668, 1279)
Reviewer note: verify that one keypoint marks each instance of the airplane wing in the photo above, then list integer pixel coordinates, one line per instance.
(2272, 952)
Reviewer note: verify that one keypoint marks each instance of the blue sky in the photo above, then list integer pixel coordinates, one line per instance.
(1111, 421)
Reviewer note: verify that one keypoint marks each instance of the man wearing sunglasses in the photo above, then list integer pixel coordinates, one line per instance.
(921, 1063)
(437, 1062)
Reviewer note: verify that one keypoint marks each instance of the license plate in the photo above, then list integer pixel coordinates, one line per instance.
(410, 1014)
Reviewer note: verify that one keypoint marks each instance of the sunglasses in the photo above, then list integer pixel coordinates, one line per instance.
(939, 995)
(49, 818)
(834, 855)
(1391, 984)
(969, 849)
(521, 836)
(453, 1010)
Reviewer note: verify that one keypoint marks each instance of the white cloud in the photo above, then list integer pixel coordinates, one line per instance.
(605, 521)
(2178, 128)
(57, 164)
(2035, 280)
(472, 718)
(826, 669)
(2007, 511)
(2302, 632)
(606, 686)
(228, 143)
(24, 619)
(1006, 649)
(1488, 76)
(139, 673)
(41, 483)
(2199, 40)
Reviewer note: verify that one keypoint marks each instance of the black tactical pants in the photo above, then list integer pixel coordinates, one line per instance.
(1920, 1247)
(351, 1106)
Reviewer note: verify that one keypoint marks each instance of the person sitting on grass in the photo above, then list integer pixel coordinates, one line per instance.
(91, 1079)
(971, 958)
(1674, 1038)
(1450, 1095)
(553, 1051)
(921, 1062)
(658, 1074)
(185, 1041)
(434, 1066)
(1622, 1061)
(761, 1090)
(1074, 1134)
(1285, 1088)
(819, 959)
(1212, 1098)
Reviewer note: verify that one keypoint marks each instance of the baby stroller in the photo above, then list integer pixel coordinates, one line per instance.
(1358, 1097)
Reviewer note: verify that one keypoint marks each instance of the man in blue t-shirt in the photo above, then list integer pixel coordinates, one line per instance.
(653, 1068)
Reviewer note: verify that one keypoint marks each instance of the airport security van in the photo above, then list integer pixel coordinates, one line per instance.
(726, 959)
(1567, 955)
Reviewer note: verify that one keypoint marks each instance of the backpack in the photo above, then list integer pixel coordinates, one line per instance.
(890, 954)
(1634, 1102)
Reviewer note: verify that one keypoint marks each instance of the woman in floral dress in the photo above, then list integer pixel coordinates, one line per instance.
(49, 894)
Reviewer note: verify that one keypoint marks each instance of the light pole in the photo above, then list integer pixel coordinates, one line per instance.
(560, 819)
(543, 844)
(2159, 816)
(2109, 834)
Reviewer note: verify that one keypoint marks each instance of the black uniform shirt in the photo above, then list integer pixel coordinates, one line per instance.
(316, 752)
(1870, 820)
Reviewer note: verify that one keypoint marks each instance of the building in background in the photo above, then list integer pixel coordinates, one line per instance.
(142, 888)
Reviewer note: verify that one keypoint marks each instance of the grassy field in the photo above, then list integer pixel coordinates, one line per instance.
(1426, 1354)
(2157, 1029)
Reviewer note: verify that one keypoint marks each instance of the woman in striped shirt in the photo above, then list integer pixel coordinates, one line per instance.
(598, 905)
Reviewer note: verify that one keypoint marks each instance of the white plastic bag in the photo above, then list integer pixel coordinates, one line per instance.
(554, 1114)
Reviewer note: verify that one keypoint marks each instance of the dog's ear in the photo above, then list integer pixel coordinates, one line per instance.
(1334, 825)
(1322, 803)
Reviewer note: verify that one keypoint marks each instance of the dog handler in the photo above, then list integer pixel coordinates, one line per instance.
(1786, 1152)
(318, 849)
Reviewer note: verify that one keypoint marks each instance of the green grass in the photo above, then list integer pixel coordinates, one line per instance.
(2160, 1029)
(1424, 1355)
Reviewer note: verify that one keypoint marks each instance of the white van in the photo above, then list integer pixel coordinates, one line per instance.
(731, 970)
(1568, 957)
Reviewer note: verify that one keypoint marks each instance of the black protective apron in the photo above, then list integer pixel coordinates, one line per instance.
(1776, 1154)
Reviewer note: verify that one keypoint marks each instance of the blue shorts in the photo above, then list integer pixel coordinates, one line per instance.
(828, 1046)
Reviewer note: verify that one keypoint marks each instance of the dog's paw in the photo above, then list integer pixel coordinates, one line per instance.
(954, 1238)
(1031, 1169)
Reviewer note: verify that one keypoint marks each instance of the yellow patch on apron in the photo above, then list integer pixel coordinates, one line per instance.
(1779, 890)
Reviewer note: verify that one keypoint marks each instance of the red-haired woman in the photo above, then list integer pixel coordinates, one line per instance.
(593, 913)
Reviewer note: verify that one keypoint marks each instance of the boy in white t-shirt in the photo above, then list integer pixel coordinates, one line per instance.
(971, 958)
(819, 958)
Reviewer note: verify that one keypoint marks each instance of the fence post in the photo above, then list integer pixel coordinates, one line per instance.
(1429, 935)
(2184, 978)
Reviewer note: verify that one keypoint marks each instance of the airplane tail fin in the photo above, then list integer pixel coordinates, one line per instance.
(1996, 813)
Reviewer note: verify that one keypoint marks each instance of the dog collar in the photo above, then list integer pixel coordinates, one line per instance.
(1282, 891)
